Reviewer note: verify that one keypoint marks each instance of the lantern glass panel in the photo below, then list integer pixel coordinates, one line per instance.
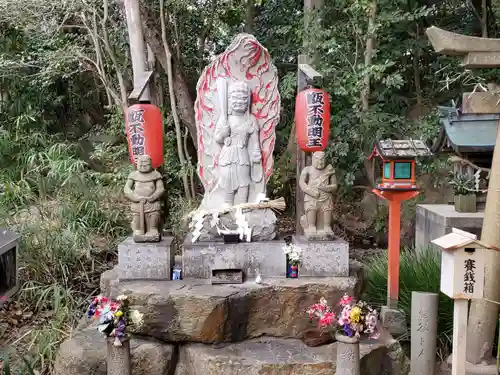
(387, 170)
(402, 170)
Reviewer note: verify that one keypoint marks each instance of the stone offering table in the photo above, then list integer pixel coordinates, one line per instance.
(329, 258)
(436, 220)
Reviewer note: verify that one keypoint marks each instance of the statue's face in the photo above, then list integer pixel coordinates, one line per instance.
(239, 101)
(319, 160)
(144, 164)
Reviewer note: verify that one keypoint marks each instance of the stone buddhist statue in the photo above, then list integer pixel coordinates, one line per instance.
(318, 182)
(144, 188)
(240, 158)
(237, 109)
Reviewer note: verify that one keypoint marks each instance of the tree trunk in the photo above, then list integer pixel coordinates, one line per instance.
(369, 50)
(416, 67)
(185, 103)
(137, 45)
(177, 123)
(250, 14)
(484, 18)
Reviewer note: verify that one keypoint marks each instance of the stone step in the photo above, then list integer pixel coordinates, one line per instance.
(196, 311)
(84, 353)
(277, 356)
(320, 258)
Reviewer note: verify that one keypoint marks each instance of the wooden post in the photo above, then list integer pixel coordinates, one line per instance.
(393, 251)
(304, 159)
(394, 197)
(137, 52)
(306, 77)
(460, 310)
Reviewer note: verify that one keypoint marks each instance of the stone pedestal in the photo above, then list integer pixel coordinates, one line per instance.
(424, 316)
(394, 321)
(118, 358)
(436, 220)
(145, 261)
(348, 360)
(266, 258)
(323, 258)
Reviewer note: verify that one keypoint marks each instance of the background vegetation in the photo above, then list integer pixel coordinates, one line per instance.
(64, 76)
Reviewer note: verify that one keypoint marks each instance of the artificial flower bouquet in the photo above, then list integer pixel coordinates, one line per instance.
(353, 319)
(293, 252)
(113, 316)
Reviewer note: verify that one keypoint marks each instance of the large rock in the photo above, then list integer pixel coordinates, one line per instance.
(277, 356)
(85, 354)
(196, 311)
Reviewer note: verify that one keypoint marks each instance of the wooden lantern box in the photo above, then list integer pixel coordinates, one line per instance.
(462, 264)
(9, 277)
(398, 157)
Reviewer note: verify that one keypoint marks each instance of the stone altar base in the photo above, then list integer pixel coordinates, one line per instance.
(436, 220)
(145, 261)
(84, 353)
(320, 258)
(195, 310)
(323, 258)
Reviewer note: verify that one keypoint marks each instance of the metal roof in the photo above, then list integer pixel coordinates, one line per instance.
(469, 132)
(401, 149)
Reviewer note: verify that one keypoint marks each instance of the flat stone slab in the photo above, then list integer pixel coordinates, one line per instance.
(329, 258)
(436, 220)
(196, 311)
(145, 261)
(275, 356)
(265, 257)
(85, 353)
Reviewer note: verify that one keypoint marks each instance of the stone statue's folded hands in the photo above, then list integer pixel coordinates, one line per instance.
(227, 141)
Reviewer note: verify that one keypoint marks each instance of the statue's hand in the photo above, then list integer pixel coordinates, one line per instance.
(227, 141)
(256, 157)
(150, 199)
(315, 194)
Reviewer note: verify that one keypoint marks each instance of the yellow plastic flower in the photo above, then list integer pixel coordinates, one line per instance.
(355, 314)
(119, 314)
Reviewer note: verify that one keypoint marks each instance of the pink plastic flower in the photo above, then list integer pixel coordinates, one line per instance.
(345, 300)
(327, 319)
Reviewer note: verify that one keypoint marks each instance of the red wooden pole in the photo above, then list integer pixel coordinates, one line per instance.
(394, 197)
(393, 252)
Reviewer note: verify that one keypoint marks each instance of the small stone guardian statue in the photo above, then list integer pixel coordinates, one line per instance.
(144, 188)
(318, 182)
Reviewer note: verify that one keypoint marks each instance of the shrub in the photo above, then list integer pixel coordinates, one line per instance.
(418, 272)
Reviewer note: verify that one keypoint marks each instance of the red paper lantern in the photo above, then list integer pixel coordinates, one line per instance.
(144, 125)
(312, 119)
